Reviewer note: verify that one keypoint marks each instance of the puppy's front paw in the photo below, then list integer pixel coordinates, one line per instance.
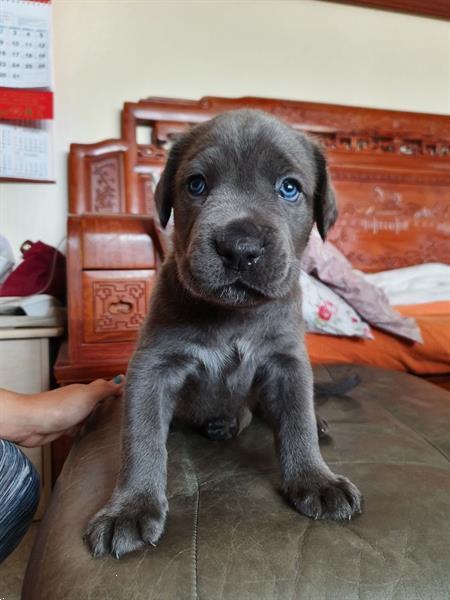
(118, 531)
(328, 497)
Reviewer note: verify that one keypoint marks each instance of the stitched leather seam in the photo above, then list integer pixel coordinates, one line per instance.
(419, 434)
(192, 478)
(195, 541)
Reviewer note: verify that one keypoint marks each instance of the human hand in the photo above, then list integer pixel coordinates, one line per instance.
(42, 418)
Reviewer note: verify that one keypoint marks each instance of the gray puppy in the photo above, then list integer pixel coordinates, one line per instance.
(224, 329)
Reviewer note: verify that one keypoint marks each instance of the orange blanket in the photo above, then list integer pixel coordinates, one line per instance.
(390, 352)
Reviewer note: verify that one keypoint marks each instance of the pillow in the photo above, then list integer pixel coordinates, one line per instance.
(418, 284)
(325, 312)
(328, 264)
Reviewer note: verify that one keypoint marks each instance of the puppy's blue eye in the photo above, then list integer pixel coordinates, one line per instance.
(196, 185)
(289, 189)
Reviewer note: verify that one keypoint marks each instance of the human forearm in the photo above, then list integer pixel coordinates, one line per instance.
(37, 419)
(16, 416)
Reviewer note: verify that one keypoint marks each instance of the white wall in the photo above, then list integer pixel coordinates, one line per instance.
(109, 51)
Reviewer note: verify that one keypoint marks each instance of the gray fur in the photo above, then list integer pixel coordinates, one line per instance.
(218, 341)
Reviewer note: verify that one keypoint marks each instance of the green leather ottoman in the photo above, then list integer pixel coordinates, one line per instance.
(231, 536)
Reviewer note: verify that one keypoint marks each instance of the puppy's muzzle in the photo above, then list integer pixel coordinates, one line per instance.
(240, 245)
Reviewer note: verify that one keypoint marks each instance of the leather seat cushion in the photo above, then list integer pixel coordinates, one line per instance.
(231, 536)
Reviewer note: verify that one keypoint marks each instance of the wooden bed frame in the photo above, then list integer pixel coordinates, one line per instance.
(391, 171)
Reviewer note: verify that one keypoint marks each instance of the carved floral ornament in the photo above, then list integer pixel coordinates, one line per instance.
(388, 210)
(119, 305)
(384, 145)
(105, 185)
(360, 143)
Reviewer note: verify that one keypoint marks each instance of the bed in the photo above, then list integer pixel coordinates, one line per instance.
(391, 172)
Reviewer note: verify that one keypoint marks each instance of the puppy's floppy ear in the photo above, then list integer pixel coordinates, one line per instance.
(325, 209)
(166, 185)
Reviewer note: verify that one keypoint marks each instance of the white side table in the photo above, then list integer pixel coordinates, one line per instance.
(25, 368)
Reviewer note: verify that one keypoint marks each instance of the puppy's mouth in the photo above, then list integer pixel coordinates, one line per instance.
(235, 289)
(240, 293)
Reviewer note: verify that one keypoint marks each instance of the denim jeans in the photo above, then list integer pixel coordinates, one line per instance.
(19, 496)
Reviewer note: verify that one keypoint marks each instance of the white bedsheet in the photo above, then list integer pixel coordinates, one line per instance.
(419, 284)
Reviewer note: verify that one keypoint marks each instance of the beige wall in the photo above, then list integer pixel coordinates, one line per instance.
(108, 51)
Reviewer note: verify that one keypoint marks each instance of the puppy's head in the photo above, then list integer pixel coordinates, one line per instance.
(245, 189)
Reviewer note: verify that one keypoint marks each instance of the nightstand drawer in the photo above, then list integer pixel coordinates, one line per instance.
(115, 304)
(116, 242)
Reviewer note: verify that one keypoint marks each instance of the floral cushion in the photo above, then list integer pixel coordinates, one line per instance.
(327, 263)
(326, 312)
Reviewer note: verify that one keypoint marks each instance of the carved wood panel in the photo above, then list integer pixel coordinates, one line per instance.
(106, 184)
(146, 185)
(391, 225)
(115, 304)
(385, 144)
(102, 178)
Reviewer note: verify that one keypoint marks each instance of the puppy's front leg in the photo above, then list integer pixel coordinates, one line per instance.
(286, 387)
(136, 512)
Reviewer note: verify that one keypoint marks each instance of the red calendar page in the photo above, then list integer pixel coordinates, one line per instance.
(25, 104)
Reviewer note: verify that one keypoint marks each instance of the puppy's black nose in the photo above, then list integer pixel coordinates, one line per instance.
(240, 245)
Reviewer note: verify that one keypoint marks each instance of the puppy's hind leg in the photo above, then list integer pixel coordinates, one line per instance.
(227, 428)
(322, 426)
(334, 388)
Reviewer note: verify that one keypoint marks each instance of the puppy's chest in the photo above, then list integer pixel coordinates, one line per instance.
(226, 361)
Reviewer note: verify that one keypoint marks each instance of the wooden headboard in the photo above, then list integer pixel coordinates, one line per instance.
(391, 171)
